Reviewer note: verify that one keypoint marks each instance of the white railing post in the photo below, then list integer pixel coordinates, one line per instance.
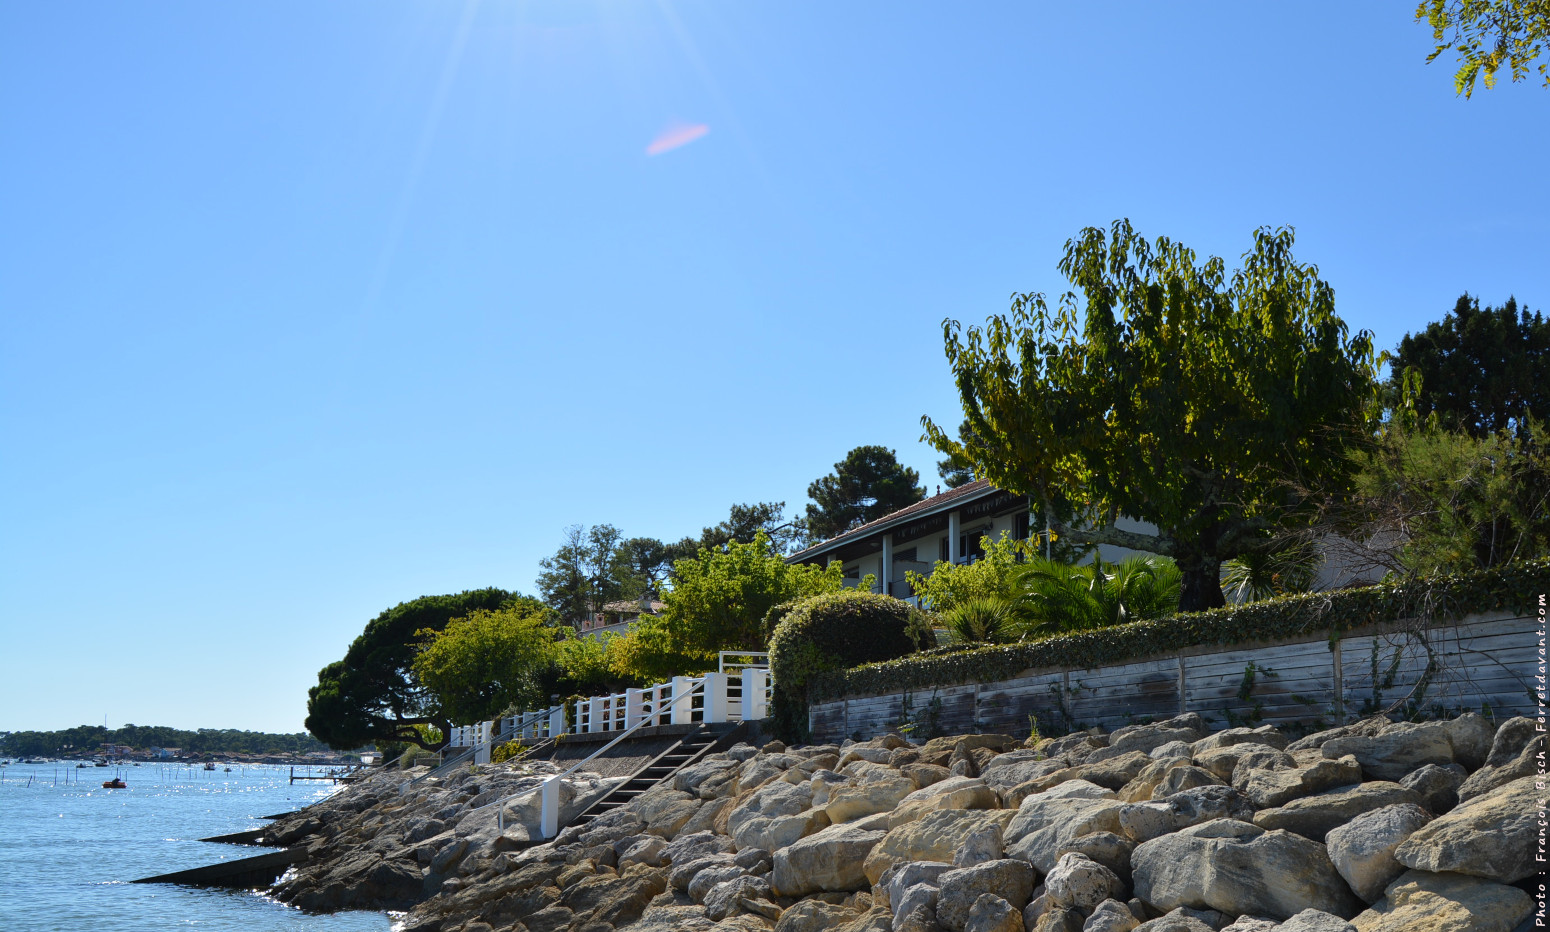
(715, 698)
(549, 808)
(634, 707)
(482, 742)
(595, 710)
(754, 681)
(556, 721)
(683, 712)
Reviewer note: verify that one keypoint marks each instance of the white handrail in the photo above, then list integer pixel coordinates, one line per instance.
(549, 816)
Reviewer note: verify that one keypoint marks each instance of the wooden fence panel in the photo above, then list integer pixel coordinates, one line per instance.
(1124, 694)
(1293, 684)
(1480, 661)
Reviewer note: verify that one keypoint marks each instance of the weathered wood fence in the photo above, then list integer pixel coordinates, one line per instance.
(1478, 662)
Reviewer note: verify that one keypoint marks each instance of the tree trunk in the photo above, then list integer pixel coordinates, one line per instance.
(1202, 583)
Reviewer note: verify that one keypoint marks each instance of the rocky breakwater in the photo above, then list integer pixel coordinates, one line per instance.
(1371, 827)
(388, 843)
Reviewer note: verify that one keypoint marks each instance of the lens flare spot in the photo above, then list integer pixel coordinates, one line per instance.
(675, 137)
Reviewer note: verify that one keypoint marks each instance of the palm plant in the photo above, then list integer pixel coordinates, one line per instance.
(1054, 598)
(1265, 574)
(984, 620)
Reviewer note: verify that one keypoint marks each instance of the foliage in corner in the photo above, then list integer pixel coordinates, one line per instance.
(827, 633)
(1503, 588)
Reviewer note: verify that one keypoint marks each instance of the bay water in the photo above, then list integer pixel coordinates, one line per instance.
(68, 849)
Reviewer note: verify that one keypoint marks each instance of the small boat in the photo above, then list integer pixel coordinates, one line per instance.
(81, 766)
(228, 770)
(209, 765)
(117, 783)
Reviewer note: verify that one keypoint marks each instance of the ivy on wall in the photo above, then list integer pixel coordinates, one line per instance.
(1515, 587)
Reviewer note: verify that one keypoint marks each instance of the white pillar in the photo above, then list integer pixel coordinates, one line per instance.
(556, 721)
(683, 709)
(754, 682)
(634, 707)
(482, 740)
(594, 713)
(715, 698)
(952, 537)
(549, 808)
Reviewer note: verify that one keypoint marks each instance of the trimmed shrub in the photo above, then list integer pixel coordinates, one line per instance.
(828, 633)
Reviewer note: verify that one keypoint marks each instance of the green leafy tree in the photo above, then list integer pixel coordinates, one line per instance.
(1488, 34)
(372, 696)
(1428, 501)
(954, 469)
(866, 485)
(479, 665)
(717, 602)
(990, 577)
(1174, 395)
(1481, 370)
(589, 570)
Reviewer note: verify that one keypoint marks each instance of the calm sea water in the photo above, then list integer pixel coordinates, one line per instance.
(68, 849)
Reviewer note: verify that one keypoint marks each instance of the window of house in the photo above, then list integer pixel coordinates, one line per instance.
(942, 549)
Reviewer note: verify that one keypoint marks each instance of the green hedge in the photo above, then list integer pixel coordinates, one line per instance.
(1514, 587)
(827, 633)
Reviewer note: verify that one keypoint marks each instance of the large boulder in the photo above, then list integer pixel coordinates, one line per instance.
(1078, 882)
(1362, 850)
(1314, 816)
(1009, 770)
(951, 793)
(774, 799)
(1187, 728)
(776, 833)
(1399, 748)
(1493, 836)
(1438, 786)
(831, 859)
(1145, 821)
(1367, 726)
(1183, 778)
(900, 877)
(665, 811)
(1268, 788)
(1112, 773)
(1424, 902)
(1264, 734)
(881, 793)
(1010, 879)
(991, 913)
(1046, 824)
(1239, 868)
(1152, 775)
(1490, 778)
(936, 836)
(762, 768)
(1111, 916)
(1314, 920)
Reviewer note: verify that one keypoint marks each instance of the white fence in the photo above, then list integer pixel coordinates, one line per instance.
(743, 694)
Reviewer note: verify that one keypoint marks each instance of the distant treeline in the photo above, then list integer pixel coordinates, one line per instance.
(88, 739)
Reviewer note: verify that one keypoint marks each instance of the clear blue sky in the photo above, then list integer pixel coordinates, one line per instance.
(312, 308)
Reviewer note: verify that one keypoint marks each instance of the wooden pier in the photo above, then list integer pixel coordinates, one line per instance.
(334, 774)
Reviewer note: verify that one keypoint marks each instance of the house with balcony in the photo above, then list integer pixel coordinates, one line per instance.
(615, 617)
(949, 527)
